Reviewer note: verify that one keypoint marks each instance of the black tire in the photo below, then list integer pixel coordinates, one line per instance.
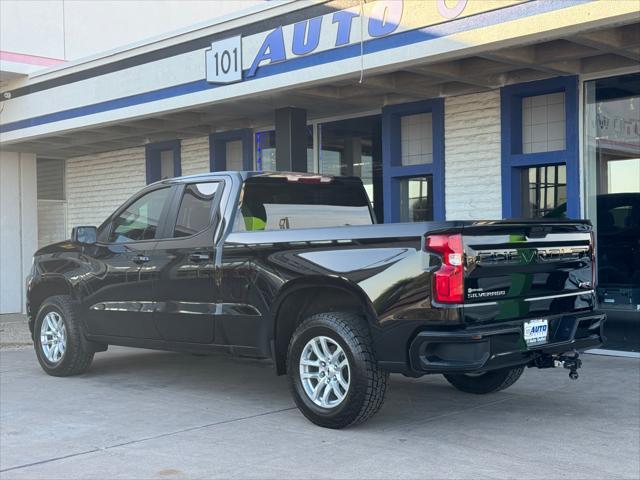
(367, 383)
(487, 382)
(78, 353)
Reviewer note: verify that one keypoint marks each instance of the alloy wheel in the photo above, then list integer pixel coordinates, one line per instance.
(53, 337)
(324, 372)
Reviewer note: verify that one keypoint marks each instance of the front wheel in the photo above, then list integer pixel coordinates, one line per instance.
(485, 382)
(333, 374)
(59, 339)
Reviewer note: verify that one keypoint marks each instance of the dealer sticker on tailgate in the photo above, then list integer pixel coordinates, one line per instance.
(536, 331)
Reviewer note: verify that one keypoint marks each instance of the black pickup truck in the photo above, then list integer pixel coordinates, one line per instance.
(292, 267)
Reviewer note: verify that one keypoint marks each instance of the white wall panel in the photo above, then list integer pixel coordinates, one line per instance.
(10, 258)
(18, 226)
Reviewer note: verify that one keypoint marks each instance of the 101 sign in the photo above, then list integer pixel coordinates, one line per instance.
(224, 60)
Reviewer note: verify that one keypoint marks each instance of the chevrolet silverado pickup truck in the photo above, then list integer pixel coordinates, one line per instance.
(293, 267)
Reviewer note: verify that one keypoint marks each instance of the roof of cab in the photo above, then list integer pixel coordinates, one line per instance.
(242, 174)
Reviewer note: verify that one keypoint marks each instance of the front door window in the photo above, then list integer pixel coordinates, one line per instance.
(140, 219)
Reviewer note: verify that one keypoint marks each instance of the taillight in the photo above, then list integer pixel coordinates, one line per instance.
(448, 281)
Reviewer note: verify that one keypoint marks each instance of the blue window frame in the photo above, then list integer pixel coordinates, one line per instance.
(515, 162)
(218, 149)
(156, 155)
(396, 176)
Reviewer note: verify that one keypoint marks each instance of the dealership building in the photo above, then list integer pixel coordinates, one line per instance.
(447, 109)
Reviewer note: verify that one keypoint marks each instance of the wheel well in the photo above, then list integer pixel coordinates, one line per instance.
(44, 290)
(303, 303)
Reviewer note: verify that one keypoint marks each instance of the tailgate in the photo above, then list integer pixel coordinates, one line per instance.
(519, 270)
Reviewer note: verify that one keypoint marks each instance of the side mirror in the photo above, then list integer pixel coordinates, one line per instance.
(86, 235)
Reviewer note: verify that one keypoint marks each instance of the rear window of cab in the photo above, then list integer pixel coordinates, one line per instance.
(294, 202)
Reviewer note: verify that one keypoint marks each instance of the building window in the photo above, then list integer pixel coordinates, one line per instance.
(416, 199)
(416, 132)
(543, 123)
(163, 160)
(540, 173)
(52, 203)
(231, 151)
(413, 161)
(266, 150)
(545, 191)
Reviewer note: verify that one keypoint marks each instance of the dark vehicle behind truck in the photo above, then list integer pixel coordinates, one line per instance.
(292, 267)
(618, 261)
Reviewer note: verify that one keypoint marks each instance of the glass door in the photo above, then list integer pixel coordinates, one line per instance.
(353, 147)
(612, 156)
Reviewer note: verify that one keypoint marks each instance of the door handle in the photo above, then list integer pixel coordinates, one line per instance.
(199, 257)
(140, 259)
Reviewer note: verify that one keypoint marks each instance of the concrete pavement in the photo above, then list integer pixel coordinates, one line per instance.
(14, 330)
(145, 414)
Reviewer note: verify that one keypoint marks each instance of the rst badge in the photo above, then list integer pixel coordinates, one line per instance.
(224, 60)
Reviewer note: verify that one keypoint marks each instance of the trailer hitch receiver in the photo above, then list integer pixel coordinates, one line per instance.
(570, 360)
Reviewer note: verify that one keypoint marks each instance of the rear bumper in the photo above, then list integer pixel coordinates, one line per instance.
(493, 347)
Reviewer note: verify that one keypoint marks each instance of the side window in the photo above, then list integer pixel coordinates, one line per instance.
(140, 219)
(194, 214)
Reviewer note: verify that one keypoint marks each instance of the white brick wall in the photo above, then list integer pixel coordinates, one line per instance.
(472, 156)
(195, 155)
(98, 184)
(52, 222)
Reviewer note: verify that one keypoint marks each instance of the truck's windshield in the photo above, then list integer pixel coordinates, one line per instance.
(273, 203)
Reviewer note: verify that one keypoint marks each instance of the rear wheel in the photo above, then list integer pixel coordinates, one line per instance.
(332, 370)
(485, 382)
(59, 339)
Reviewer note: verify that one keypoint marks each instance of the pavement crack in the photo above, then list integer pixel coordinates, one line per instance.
(145, 439)
(48, 460)
(198, 427)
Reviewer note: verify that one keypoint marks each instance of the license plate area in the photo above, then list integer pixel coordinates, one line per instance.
(536, 331)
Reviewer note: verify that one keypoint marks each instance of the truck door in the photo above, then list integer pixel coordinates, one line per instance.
(120, 297)
(183, 266)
